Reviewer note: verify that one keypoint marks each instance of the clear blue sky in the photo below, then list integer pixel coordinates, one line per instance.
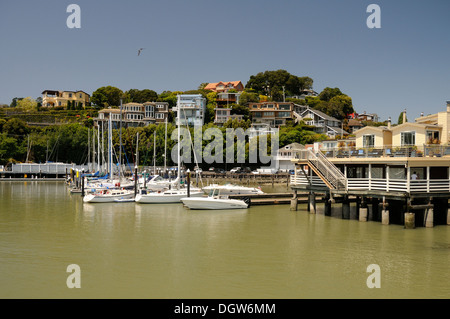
(405, 64)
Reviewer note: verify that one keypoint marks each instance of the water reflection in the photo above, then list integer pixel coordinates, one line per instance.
(129, 250)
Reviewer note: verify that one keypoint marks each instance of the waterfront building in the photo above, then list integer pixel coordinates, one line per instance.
(397, 169)
(223, 114)
(272, 113)
(135, 114)
(190, 109)
(52, 98)
(323, 123)
(285, 155)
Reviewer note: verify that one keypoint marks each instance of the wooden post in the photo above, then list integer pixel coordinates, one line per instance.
(312, 203)
(429, 215)
(345, 208)
(327, 208)
(294, 202)
(82, 184)
(410, 218)
(363, 211)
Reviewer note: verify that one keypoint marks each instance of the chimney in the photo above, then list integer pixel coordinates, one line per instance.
(389, 123)
(448, 106)
(404, 116)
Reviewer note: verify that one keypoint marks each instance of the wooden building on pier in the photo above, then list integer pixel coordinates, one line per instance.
(405, 183)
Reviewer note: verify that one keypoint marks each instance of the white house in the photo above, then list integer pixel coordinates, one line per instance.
(190, 109)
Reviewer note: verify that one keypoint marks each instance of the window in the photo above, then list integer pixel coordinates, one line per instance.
(269, 113)
(70, 94)
(285, 107)
(408, 138)
(369, 140)
(284, 114)
(432, 137)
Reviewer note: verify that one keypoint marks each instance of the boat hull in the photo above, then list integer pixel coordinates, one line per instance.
(213, 203)
(94, 198)
(164, 198)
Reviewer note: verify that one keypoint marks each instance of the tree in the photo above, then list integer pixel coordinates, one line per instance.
(248, 97)
(28, 104)
(400, 118)
(14, 101)
(16, 127)
(328, 93)
(107, 96)
(340, 106)
(141, 96)
(272, 82)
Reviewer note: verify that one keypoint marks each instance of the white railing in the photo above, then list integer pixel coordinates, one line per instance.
(327, 169)
(429, 150)
(380, 184)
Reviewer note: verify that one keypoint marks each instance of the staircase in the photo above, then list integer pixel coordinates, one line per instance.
(326, 170)
(297, 117)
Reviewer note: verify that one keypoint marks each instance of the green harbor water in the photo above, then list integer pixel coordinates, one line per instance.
(128, 250)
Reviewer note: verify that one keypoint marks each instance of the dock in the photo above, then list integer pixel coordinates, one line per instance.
(273, 198)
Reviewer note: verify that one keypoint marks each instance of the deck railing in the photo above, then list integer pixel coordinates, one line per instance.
(379, 184)
(388, 151)
(333, 176)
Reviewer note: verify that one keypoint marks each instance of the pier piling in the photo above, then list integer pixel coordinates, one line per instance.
(345, 208)
(410, 220)
(363, 210)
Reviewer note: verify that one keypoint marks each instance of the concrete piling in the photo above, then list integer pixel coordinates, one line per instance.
(385, 217)
(363, 211)
(410, 220)
(312, 203)
(429, 218)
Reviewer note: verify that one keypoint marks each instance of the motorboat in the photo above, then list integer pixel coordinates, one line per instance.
(215, 200)
(231, 189)
(108, 196)
(166, 196)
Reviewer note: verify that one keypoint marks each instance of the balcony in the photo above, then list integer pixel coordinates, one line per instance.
(388, 151)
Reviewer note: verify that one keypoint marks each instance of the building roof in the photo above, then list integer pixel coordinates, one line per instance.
(213, 86)
(353, 122)
(321, 114)
(56, 91)
(292, 146)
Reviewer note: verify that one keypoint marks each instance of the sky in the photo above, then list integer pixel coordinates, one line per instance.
(405, 64)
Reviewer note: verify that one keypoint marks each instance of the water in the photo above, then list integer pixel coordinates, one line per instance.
(127, 250)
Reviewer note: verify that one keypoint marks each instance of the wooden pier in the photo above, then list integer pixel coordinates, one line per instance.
(380, 189)
(272, 198)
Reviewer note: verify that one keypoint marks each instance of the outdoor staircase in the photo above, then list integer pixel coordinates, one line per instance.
(297, 117)
(327, 171)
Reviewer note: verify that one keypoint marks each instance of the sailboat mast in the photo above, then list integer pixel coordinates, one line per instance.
(154, 152)
(165, 148)
(98, 146)
(178, 133)
(120, 139)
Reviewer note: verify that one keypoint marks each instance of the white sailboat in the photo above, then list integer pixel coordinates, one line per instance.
(171, 195)
(117, 191)
(215, 201)
(108, 196)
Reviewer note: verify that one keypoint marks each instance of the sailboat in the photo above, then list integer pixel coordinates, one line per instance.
(109, 195)
(170, 195)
